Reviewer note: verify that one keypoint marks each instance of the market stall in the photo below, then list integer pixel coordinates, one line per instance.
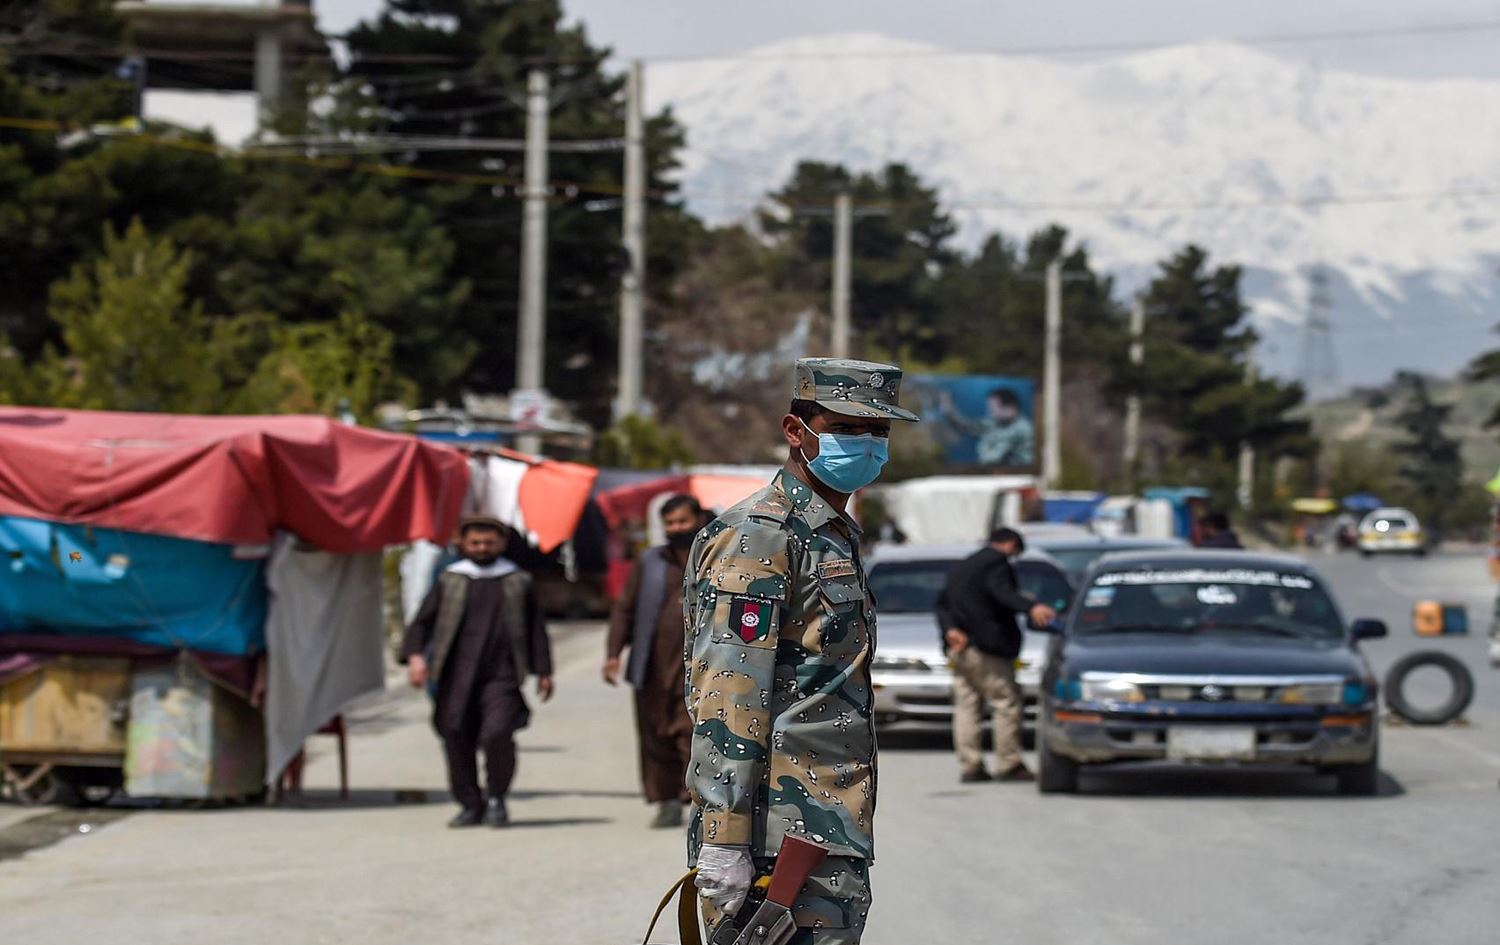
(153, 567)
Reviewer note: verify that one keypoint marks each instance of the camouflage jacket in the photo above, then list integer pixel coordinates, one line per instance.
(780, 632)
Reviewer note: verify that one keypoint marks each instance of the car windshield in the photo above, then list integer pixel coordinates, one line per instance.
(1077, 560)
(909, 587)
(1202, 600)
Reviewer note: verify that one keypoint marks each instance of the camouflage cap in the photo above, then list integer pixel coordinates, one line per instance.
(852, 388)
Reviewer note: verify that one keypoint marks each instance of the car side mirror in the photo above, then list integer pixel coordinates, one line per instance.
(1366, 628)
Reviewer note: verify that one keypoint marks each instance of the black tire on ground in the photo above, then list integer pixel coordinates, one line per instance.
(1055, 773)
(1458, 700)
(1365, 554)
(1420, 552)
(1361, 780)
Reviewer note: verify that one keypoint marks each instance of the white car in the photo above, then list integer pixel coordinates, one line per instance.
(910, 672)
(1391, 531)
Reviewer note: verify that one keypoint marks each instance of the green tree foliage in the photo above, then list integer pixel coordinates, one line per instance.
(901, 239)
(486, 49)
(47, 73)
(316, 366)
(308, 253)
(994, 307)
(132, 340)
(296, 244)
(1486, 367)
(641, 443)
(1194, 376)
(1431, 460)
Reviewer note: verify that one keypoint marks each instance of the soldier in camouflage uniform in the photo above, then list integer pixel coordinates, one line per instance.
(780, 633)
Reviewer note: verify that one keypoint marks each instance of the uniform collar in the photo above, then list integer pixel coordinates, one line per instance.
(813, 508)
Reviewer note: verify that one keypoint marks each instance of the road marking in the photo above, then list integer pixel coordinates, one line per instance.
(1489, 757)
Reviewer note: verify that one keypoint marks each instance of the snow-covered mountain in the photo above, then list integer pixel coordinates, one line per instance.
(1391, 185)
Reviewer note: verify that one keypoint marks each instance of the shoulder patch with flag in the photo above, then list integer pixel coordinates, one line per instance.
(753, 618)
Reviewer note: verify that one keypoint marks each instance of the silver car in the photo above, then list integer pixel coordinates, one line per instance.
(1076, 549)
(912, 679)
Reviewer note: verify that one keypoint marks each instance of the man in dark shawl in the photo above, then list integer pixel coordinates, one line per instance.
(476, 638)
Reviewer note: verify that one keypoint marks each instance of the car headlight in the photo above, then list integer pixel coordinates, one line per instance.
(899, 664)
(1112, 690)
(1330, 693)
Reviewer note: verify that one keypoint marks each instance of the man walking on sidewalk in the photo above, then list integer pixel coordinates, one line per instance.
(647, 619)
(976, 616)
(781, 630)
(475, 639)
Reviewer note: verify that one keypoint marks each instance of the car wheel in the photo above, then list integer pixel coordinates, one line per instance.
(1055, 773)
(1458, 699)
(1361, 780)
(1365, 554)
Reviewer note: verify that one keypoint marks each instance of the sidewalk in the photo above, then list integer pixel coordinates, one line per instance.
(578, 865)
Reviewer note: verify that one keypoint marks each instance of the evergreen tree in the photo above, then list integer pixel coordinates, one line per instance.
(132, 339)
(1194, 377)
(898, 251)
(476, 56)
(1431, 460)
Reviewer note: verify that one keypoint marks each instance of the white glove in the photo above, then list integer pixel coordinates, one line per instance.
(1495, 654)
(724, 875)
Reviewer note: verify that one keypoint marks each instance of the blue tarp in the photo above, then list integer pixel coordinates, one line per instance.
(1362, 502)
(1075, 509)
(155, 590)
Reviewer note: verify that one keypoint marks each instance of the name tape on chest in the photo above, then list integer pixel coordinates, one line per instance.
(837, 568)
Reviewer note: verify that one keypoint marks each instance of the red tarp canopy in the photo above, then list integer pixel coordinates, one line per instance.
(713, 491)
(229, 479)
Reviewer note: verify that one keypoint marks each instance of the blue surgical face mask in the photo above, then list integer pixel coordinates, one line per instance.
(846, 462)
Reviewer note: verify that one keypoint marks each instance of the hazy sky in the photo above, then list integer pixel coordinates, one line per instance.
(674, 28)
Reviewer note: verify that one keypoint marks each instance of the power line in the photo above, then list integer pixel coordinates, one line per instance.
(328, 144)
(496, 183)
(1327, 200)
(1452, 27)
(1062, 49)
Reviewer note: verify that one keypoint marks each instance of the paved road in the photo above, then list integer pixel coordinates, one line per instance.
(1141, 857)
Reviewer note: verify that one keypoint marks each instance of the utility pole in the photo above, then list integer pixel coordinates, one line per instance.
(1245, 494)
(1133, 402)
(1319, 370)
(1051, 379)
(532, 345)
(268, 71)
(844, 215)
(633, 284)
(843, 228)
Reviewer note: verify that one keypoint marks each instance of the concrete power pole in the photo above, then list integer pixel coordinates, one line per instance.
(531, 347)
(843, 230)
(1051, 379)
(1133, 402)
(268, 75)
(1319, 370)
(1245, 493)
(633, 284)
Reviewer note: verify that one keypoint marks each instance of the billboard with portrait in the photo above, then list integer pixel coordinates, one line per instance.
(979, 421)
